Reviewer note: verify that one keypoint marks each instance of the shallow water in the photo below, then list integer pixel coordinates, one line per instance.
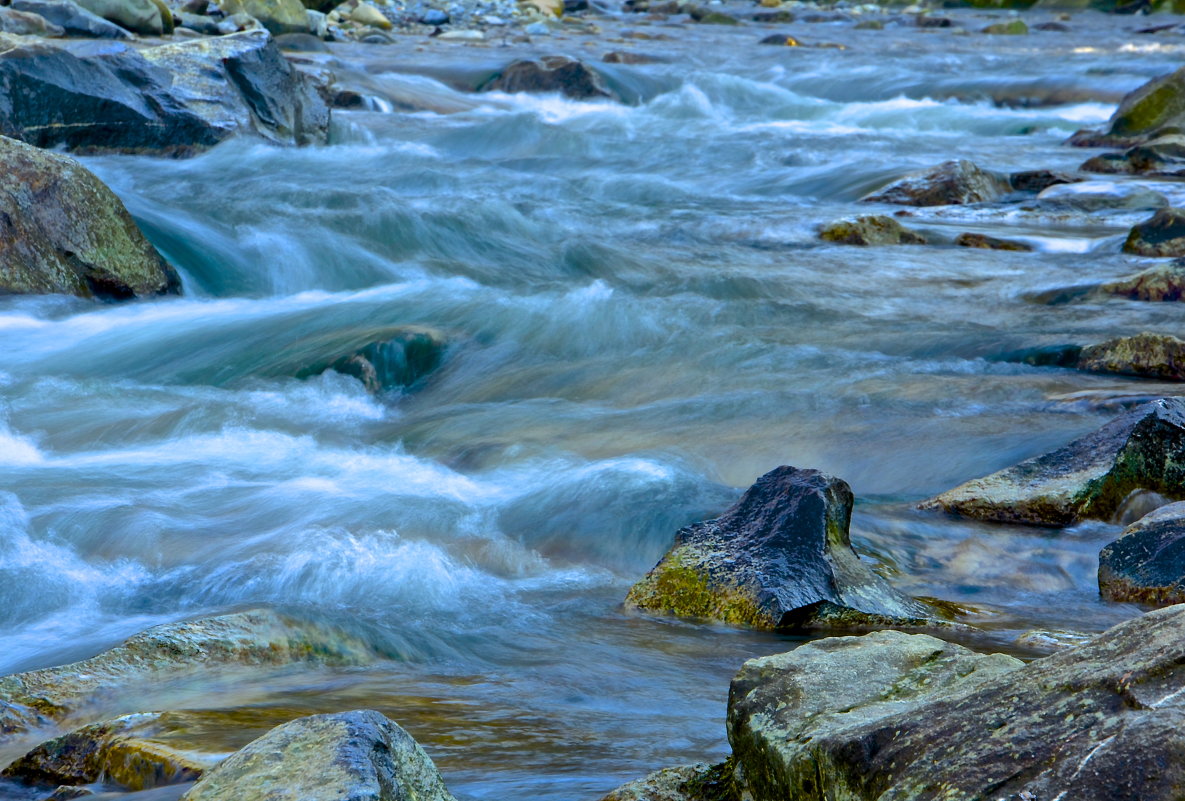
(640, 322)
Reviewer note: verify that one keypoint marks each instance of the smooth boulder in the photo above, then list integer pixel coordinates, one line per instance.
(871, 230)
(1143, 448)
(1147, 564)
(985, 242)
(1092, 196)
(1147, 355)
(145, 17)
(1162, 235)
(63, 231)
(897, 716)
(73, 19)
(779, 558)
(950, 183)
(561, 74)
(278, 16)
(349, 756)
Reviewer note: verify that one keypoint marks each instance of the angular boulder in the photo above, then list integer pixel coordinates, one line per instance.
(63, 231)
(1147, 355)
(561, 74)
(1160, 236)
(780, 558)
(950, 183)
(873, 230)
(349, 756)
(1147, 564)
(1158, 284)
(896, 716)
(1088, 478)
(72, 18)
(985, 242)
(259, 637)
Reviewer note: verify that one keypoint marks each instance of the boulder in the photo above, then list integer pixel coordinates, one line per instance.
(1036, 180)
(119, 752)
(62, 230)
(873, 230)
(349, 756)
(985, 242)
(72, 18)
(780, 558)
(259, 637)
(171, 100)
(1165, 282)
(1143, 448)
(1147, 564)
(549, 74)
(1163, 156)
(398, 361)
(1158, 104)
(698, 782)
(27, 23)
(146, 17)
(1161, 235)
(952, 182)
(897, 716)
(1148, 355)
(1092, 196)
(278, 16)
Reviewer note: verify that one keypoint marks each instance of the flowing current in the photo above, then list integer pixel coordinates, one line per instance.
(639, 320)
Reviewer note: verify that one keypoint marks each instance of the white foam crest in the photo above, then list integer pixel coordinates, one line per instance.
(555, 108)
(17, 450)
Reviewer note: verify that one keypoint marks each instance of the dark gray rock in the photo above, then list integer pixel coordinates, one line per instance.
(1093, 196)
(1159, 236)
(698, 782)
(561, 74)
(197, 22)
(1043, 356)
(1089, 478)
(1036, 180)
(1147, 564)
(72, 18)
(952, 182)
(780, 558)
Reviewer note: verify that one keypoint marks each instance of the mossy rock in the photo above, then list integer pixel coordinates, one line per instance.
(1016, 27)
(871, 230)
(1165, 282)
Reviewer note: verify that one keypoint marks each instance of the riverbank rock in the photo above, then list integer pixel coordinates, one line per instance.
(118, 752)
(63, 231)
(1088, 478)
(1162, 235)
(952, 182)
(1147, 564)
(892, 715)
(780, 558)
(145, 17)
(1165, 282)
(349, 756)
(398, 361)
(172, 99)
(72, 18)
(561, 74)
(985, 242)
(873, 230)
(260, 637)
(698, 782)
(278, 16)
(1147, 355)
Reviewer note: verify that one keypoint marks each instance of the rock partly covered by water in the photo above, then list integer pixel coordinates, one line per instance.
(1158, 104)
(1093, 196)
(561, 74)
(1147, 355)
(1147, 564)
(1162, 156)
(1162, 235)
(397, 361)
(349, 756)
(1088, 478)
(62, 230)
(872, 230)
(1165, 282)
(145, 17)
(259, 637)
(950, 183)
(780, 558)
(985, 242)
(892, 715)
(171, 99)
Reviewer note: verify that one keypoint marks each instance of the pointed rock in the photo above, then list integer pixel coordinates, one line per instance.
(952, 182)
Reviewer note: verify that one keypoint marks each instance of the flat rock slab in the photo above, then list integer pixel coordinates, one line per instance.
(1088, 478)
(1147, 564)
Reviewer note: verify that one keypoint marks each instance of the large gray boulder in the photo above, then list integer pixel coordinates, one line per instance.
(780, 558)
(62, 230)
(350, 756)
(1147, 564)
(257, 638)
(172, 99)
(1143, 449)
(891, 716)
(950, 183)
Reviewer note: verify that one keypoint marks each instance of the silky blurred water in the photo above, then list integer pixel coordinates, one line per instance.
(640, 321)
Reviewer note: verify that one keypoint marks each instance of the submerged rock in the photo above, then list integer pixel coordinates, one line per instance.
(62, 230)
(1148, 355)
(1037, 180)
(985, 242)
(1012, 28)
(1147, 564)
(259, 637)
(1161, 235)
(349, 756)
(952, 182)
(1162, 283)
(561, 74)
(1089, 478)
(780, 558)
(398, 361)
(893, 715)
(873, 230)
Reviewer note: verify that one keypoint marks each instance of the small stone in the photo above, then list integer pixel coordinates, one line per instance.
(434, 16)
(1014, 28)
(781, 40)
(366, 14)
(462, 36)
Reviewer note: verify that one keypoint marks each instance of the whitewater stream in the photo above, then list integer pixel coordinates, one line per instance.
(640, 320)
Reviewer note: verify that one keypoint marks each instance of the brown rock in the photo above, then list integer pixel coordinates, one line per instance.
(1147, 355)
(984, 242)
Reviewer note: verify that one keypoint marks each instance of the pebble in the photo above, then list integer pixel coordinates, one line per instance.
(434, 16)
(463, 36)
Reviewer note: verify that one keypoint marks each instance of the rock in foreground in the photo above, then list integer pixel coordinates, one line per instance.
(62, 230)
(896, 716)
(1147, 564)
(350, 756)
(950, 183)
(780, 558)
(1089, 478)
(874, 230)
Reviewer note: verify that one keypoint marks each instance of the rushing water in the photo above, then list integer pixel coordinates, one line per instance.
(640, 322)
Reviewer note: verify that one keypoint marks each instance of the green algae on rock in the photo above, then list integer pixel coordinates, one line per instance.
(876, 229)
(1147, 564)
(1151, 107)
(1147, 355)
(349, 756)
(780, 558)
(1088, 478)
(62, 230)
